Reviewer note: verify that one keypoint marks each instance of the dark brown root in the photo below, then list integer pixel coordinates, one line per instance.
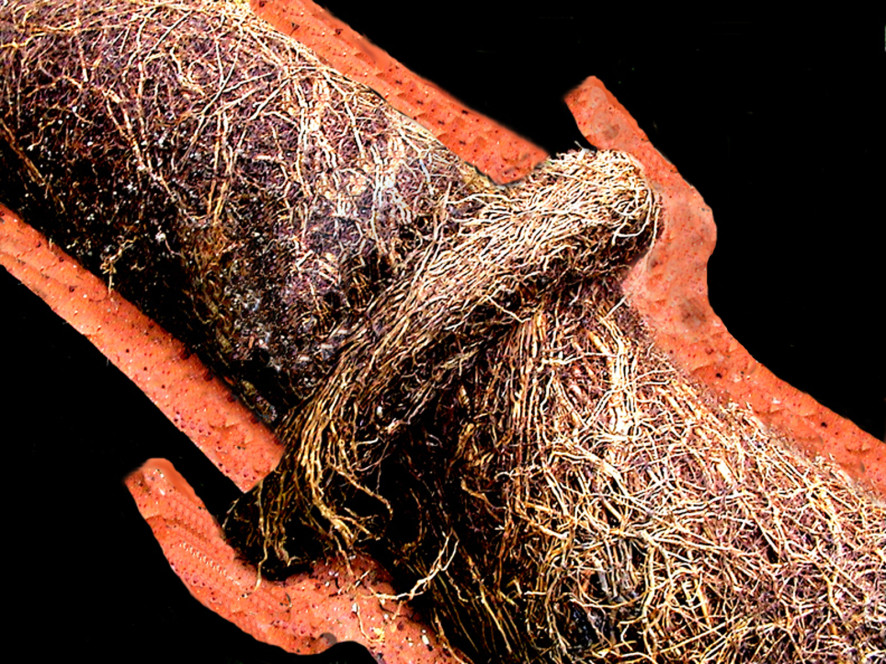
(219, 175)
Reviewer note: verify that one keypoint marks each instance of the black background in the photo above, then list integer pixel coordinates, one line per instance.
(778, 122)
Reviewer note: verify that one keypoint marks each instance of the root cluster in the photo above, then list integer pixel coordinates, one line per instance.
(461, 387)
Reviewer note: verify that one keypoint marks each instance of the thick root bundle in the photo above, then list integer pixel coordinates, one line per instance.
(466, 395)
(219, 175)
(580, 216)
(598, 506)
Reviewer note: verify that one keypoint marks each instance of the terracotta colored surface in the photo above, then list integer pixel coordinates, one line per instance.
(307, 613)
(669, 288)
(494, 150)
(176, 381)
